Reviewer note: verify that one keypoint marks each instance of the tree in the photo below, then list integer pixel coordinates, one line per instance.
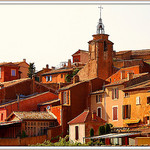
(31, 70)
(91, 132)
(101, 130)
(107, 128)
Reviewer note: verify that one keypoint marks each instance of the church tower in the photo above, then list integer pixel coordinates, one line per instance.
(100, 62)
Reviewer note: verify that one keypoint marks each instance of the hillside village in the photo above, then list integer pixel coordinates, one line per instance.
(97, 87)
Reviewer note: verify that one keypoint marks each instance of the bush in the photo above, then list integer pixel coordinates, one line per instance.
(101, 130)
(107, 128)
(91, 132)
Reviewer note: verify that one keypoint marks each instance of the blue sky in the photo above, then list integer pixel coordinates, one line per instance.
(50, 34)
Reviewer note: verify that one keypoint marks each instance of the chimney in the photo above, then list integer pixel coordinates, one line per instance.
(24, 60)
(47, 66)
(130, 75)
(69, 63)
(53, 68)
(75, 79)
(94, 115)
(123, 74)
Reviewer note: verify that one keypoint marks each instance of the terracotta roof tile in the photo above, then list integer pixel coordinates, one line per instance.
(13, 82)
(85, 116)
(8, 64)
(122, 52)
(34, 115)
(57, 71)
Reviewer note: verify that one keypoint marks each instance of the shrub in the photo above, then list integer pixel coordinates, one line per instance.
(107, 128)
(91, 132)
(101, 130)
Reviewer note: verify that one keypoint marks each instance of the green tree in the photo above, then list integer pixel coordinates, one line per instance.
(91, 132)
(101, 130)
(31, 70)
(107, 128)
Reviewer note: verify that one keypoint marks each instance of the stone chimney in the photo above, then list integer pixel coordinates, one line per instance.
(94, 115)
(47, 66)
(69, 63)
(75, 79)
(123, 74)
(130, 75)
(24, 60)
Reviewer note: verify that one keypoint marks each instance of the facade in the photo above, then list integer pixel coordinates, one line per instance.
(24, 104)
(56, 76)
(38, 75)
(23, 68)
(31, 123)
(81, 57)
(8, 72)
(80, 126)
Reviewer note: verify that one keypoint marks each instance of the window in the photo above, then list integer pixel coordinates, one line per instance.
(13, 72)
(138, 100)
(76, 132)
(115, 113)
(48, 78)
(105, 46)
(126, 94)
(0, 73)
(148, 100)
(61, 75)
(64, 97)
(98, 98)
(146, 120)
(2, 117)
(99, 112)
(126, 111)
(115, 93)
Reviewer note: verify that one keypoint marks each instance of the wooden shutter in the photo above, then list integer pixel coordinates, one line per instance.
(129, 111)
(112, 93)
(76, 132)
(115, 113)
(123, 111)
(117, 93)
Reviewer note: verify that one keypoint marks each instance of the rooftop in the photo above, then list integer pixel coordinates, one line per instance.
(31, 115)
(58, 71)
(85, 116)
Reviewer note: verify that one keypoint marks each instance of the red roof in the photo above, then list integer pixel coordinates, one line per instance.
(85, 116)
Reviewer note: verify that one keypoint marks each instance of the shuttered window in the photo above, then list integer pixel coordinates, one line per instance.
(98, 98)
(115, 113)
(126, 111)
(115, 93)
(137, 100)
(76, 132)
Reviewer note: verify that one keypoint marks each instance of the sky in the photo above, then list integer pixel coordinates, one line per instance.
(50, 34)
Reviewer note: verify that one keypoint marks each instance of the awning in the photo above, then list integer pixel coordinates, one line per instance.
(113, 135)
(130, 121)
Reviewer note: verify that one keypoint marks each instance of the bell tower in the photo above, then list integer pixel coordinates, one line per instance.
(100, 62)
(100, 52)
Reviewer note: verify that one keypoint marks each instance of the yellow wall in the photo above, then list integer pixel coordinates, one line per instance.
(138, 111)
(142, 141)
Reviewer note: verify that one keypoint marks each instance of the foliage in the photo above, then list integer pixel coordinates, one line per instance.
(31, 70)
(23, 135)
(68, 77)
(91, 132)
(101, 130)
(62, 142)
(95, 143)
(107, 128)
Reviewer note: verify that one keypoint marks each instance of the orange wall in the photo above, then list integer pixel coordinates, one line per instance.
(29, 104)
(23, 67)
(6, 73)
(140, 141)
(116, 102)
(117, 75)
(138, 111)
(56, 78)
